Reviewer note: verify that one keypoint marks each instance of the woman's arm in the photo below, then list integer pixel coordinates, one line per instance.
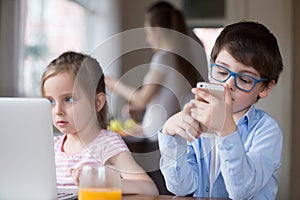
(135, 179)
(138, 97)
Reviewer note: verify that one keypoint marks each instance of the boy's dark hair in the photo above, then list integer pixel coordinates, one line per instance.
(252, 44)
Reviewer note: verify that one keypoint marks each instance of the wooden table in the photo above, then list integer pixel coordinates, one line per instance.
(162, 197)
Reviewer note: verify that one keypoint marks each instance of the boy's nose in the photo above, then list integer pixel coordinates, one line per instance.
(231, 83)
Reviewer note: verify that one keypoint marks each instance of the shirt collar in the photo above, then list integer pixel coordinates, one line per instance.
(248, 117)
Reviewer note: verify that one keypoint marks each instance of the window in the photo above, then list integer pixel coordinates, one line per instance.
(206, 18)
(208, 37)
(51, 27)
(204, 9)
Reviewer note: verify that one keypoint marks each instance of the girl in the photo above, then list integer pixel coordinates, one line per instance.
(74, 84)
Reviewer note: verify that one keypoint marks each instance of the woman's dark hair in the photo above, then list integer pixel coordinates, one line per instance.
(164, 15)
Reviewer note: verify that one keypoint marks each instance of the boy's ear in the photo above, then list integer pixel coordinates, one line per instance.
(100, 101)
(267, 89)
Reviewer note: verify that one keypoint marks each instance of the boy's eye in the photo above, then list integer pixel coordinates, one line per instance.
(69, 99)
(246, 80)
(223, 73)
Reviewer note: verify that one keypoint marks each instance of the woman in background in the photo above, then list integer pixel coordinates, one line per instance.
(166, 86)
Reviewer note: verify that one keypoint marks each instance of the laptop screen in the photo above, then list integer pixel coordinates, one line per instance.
(27, 167)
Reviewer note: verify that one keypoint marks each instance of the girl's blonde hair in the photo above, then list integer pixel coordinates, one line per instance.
(88, 75)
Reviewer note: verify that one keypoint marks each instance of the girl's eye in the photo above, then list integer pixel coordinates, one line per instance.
(69, 100)
(52, 102)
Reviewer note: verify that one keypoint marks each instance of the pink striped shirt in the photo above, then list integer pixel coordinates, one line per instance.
(106, 145)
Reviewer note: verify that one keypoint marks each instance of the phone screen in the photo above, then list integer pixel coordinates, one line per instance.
(216, 90)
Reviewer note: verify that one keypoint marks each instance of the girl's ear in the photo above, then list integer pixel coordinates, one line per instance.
(100, 101)
(267, 89)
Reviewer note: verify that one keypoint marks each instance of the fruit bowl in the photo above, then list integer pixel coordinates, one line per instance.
(122, 128)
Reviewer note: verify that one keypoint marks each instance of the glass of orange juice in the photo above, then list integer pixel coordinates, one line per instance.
(99, 182)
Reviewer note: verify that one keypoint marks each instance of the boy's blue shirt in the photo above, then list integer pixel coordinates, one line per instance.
(249, 160)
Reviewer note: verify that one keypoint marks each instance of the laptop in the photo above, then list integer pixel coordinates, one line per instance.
(27, 168)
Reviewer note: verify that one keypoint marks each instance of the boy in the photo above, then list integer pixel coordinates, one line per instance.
(242, 159)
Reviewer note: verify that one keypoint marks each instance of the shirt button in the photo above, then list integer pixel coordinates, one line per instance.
(207, 189)
(177, 168)
(228, 147)
(220, 147)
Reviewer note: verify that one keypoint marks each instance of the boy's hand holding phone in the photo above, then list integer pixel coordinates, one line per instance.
(209, 107)
(207, 114)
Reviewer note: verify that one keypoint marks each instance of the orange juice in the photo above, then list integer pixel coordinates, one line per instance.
(99, 194)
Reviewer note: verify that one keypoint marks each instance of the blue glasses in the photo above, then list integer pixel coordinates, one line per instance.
(243, 82)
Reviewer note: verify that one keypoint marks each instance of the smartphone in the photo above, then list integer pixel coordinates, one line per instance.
(215, 90)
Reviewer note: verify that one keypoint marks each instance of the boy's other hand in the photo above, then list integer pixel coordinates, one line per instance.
(181, 123)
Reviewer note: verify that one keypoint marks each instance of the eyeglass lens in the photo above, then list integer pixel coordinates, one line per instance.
(242, 81)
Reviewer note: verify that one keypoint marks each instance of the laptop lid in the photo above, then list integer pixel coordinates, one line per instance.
(27, 169)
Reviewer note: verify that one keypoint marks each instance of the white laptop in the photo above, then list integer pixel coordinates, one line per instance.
(27, 168)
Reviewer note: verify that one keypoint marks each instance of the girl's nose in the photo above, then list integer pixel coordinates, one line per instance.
(59, 109)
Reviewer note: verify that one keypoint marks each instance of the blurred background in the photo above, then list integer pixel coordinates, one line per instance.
(33, 32)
